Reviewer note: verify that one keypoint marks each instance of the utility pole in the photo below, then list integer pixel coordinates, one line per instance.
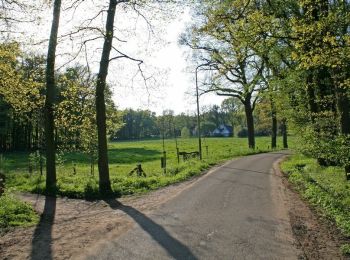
(164, 152)
(198, 116)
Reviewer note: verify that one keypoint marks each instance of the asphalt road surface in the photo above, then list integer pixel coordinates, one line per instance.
(237, 211)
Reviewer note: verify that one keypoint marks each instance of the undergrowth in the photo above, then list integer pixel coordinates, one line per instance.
(14, 213)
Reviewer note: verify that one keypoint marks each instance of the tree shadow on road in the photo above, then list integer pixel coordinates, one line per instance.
(173, 246)
(42, 238)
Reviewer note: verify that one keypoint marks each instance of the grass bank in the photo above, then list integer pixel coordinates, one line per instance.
(76, 181)
(324, 187)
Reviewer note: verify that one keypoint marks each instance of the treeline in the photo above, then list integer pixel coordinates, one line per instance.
(143, 124)
(292, 54)
(22, 110)
(22, 97)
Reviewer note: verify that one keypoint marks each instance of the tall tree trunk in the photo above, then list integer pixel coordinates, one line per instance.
(250, 124)
(104, 181)
(273, 124)
(343, 103)
(36, 142)
(311, 96)
(284, 133)
(50, 99)
(233, 126)
(344, 110)
(274, 132)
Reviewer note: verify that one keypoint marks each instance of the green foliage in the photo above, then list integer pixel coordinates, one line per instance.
(123, 157)
(242, 132)
(17, 89)
(324, 187)
(207, 127)
(136, 124)
(75, 112)
(15, 213)
(185, 132)
(345, 249)
(36, 160)
(299, 51)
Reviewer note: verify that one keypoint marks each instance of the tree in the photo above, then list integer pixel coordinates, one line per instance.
(50, 100)
(166, 123)
(184, 120)
(137, 124)
(233, 109)
(22, 98)
(108, 36)
(308, 42)
(237, 69)
(104, 180)
(207, 127)
(185, 132)
(321, 43)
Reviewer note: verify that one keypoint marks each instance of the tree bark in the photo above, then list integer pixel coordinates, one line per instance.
(284, 133)
(50, 100)
(344, 111)
(273, 124)
(311, 97)
(104, 180)
(250, 124)
(274, 132)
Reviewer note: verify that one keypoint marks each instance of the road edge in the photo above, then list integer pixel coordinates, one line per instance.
(315, 236)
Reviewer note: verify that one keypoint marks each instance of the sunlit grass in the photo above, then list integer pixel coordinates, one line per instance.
(123, 157)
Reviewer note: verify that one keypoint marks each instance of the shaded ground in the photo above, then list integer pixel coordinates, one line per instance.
(72, 228)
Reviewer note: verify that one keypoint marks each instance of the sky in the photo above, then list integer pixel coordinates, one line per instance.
(171, 84)
(177, 92)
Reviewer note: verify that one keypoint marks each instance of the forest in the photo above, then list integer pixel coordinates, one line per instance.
(282, 66)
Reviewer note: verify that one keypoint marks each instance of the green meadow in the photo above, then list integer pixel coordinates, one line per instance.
(75, 179)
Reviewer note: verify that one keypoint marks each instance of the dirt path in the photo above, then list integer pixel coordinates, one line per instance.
(73, 228)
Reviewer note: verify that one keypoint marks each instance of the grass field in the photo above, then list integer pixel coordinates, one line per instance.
(123, 157)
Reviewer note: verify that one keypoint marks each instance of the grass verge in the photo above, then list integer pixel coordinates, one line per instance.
(324, 187)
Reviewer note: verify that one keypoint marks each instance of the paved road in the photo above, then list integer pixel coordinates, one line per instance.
(235, 212)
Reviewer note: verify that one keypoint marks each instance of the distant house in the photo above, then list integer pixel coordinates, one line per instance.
(223, 131)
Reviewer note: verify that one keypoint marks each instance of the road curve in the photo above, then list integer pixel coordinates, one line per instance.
(237, 211)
